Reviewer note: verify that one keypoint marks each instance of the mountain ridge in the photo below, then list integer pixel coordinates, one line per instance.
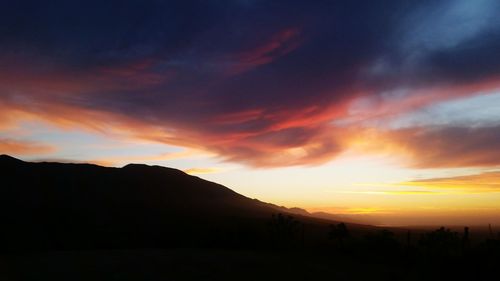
(138, 167)
(49, 205)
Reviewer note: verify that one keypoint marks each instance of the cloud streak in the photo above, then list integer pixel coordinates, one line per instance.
(449, 147)
(201, 171)
(478, 183)
(18, 147)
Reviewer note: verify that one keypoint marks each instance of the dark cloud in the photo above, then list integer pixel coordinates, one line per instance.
(471, 61)
(247, 79)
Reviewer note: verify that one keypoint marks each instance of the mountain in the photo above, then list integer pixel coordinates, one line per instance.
(67, 206)
(352, 218)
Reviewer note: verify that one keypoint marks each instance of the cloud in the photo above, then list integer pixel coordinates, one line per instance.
(17, 147)
(477, 183)
(261, 83)
(200, 171)
(448, 147)
(280, 44)
(396, 192)
(117, 160)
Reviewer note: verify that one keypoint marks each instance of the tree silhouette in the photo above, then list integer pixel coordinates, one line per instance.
(339, 233)
(283, 230)
(440, 242)
(382, 242)
(465, 240)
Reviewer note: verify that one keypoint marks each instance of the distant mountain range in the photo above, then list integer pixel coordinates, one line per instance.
(61, 206)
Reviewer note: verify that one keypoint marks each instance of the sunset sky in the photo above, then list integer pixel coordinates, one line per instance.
(387, 110)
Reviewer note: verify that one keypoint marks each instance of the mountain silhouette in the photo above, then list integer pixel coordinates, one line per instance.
(67, 206)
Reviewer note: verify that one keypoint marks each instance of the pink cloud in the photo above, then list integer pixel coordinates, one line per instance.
(18, 147)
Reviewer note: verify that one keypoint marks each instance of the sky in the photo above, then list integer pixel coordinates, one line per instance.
(380, 110)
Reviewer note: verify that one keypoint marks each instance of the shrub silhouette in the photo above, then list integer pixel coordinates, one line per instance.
(283, 230)
(441, 242)
(339, 233)
(382, 242)
(465, 240)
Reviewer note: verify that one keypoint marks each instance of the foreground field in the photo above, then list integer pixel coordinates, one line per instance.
(211, 264)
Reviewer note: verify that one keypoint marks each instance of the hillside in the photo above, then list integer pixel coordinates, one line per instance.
(66, 206)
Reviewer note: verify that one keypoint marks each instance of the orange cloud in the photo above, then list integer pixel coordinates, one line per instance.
(448, 147)
(16, 147)
(118, 160)
(431, 147)
(395, 192)
(478, 183)
(199, 171)
(284, 135)
(261, 89)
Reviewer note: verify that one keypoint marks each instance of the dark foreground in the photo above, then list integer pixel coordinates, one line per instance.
(216, 264)
(85, 222)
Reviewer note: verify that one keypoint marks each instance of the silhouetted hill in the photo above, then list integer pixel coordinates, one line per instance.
(144, 222)
(61, 206)
(6, 159)
(351, 218)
